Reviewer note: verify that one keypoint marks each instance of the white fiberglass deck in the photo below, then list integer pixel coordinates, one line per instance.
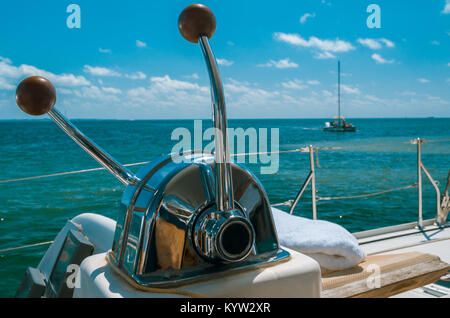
(401, 239)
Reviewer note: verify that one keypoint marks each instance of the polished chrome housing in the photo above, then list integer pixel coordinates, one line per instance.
(170, 231)
(226, 237)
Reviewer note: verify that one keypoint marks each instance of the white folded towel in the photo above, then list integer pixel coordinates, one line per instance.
(331, 245)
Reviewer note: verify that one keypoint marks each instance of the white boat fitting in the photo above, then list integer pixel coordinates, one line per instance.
(197, 225)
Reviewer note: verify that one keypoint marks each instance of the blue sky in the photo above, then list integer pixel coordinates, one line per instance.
(277, 59)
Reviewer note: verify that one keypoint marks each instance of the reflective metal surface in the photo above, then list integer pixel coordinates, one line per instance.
(102, 157)
(175, 231)
(224, 193)
(225, 237)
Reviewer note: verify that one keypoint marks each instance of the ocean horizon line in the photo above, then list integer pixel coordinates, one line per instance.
(233, 118)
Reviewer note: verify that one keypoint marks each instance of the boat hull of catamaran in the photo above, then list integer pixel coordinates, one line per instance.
(340, 129)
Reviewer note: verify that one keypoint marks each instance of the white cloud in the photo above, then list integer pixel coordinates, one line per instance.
(437, 99)
(380, 60)
(350, 90)
(334, 46)
(313, 82)
(193, 76)
(140, 43)
(305, 17)
(283, 63)
(100, 71)
(423, 80)
(325, 47)
(324, 55)
(246, 94)
(165, 91)
(111, 90)
(374, 99)
(104, 50)
(61, 79)
(166, 83)
(8, 70)
(446, 9)
(65, 91)
(233, 85)
(376, 44)
(225, 62)
(95, 92)
(5, 60)
(370, 43)
(387, 42)
(294, 84)
(327, 93)
(136, 75)
(5, 85)
(435, 42)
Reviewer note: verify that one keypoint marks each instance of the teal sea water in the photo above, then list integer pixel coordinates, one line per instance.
(34, 211)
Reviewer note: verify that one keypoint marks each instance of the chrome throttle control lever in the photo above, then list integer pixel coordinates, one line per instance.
(196, 24)
(36, 96)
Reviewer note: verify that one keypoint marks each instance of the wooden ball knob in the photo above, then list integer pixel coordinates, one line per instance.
(196, 20)
(36, 95)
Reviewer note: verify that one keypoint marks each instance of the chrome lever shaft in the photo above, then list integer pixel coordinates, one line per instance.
(224, 186)
(36, 96)
(106, 160)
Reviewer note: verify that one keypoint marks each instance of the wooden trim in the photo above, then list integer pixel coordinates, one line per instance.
(403, 286)
(396, 273)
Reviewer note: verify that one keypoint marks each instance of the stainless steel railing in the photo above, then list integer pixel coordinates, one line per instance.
(442, 205)
(442, 200)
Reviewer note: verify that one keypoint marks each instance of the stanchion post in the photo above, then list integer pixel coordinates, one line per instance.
(419, 181)
(313, 182)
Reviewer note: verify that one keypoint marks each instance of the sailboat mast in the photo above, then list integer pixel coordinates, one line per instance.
(339, 91)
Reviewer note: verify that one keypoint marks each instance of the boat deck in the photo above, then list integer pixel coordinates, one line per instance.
(407, 238)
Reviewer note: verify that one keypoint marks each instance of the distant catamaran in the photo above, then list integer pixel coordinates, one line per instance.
(339, 124)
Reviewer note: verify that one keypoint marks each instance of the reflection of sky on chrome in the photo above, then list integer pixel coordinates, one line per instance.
(129, 61)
